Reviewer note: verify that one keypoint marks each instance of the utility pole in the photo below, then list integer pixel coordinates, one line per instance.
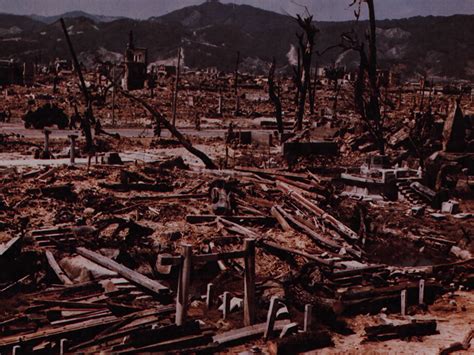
(175, 95)
(236, 85)
(113, 96)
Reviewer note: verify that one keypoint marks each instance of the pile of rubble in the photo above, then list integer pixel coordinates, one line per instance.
(201, 260)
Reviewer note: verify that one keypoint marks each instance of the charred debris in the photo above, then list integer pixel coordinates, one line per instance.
(155, 208)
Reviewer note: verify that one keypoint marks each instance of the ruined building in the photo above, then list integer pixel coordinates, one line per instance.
(11, 73)
(454, 134)
(135, 66)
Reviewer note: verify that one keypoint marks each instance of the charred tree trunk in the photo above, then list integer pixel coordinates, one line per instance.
(306, 43)
(85, 122)
(177, 134)
(275, 98)
(369, 108)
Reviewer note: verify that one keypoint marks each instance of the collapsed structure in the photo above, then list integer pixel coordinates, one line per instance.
(228, 230)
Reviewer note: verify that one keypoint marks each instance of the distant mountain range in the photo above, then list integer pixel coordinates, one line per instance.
(74, 14)
(212, 33)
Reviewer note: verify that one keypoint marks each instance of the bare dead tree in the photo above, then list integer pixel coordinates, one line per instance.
(275, 97)
(335, 74)
(306, 42)
(161, 119)
(367, 99)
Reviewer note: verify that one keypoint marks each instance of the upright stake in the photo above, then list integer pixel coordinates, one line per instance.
(403, 302)
(62, 346)
(210, 295)
(226, 305)
(219, 105)
(271, 316)
(183, 284)
(421, 292)
(175, 94)
(72, 149)
(308, 317)
(46, 132)
(249, 282)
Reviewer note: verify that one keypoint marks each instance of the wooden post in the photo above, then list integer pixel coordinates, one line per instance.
(308, 318)
(249, 282)
(271, 316)
(403, 302)
(219, 105)
(72, 149)
(46, 132)
(226, 305)
(421, 292)
(210, 295)
(176, 83)
(183, 284)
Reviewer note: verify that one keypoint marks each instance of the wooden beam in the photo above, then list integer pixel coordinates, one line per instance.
(247, 333)
(251, 219)
(279, 247)
(281, 220)
(129, 274)
(63, 331)
(319, 239)
(219, 256)
(57, 269)
(336, 224)
(239, 229)
(4, 248)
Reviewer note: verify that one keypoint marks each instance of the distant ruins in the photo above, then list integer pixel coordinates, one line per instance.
(136, 61)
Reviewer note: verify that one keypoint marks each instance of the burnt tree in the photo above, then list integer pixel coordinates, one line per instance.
(306, 45)
(367, 88)
(275, 97)
(335, 74)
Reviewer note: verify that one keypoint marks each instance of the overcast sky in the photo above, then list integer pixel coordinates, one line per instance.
(334, 10)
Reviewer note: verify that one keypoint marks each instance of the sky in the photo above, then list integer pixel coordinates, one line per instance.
(324, 10)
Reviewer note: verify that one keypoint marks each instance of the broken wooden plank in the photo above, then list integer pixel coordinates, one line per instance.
(308, 256)
(391, 331)
(324, 242)
(244, 334)
(281, 220)
(336, 224)
(238, 228)
(300, 343)
(124, 271)
(272, 172)
(64, 331)
(8, 246)
(459, 346)
(169, 197)
(219, 256)
(265, 220)
(57, 269)
(173, 344)
(71, 304)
